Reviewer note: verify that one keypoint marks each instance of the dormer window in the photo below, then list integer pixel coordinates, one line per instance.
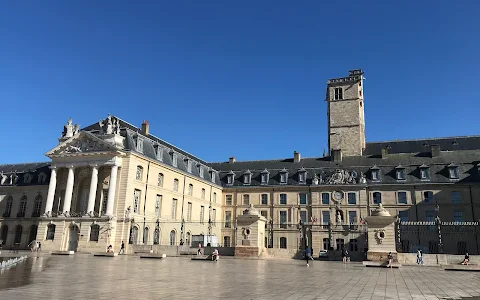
(424, 172)
(283, 176)
(247, 177)
(453, 171)
(375, 173)
(265, 177)
(200, 170)
(400, 170)
(173, 157)
(139, 147)
(213, 175)
(230, 178)
(302, 176)
(188, 164)
(158, 151)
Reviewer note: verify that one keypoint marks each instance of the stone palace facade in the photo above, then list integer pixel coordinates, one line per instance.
(111, 182)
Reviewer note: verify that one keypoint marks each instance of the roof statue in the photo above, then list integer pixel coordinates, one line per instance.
(70, 130)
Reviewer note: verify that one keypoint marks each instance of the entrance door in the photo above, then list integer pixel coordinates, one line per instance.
(33, 233)
(73, 238)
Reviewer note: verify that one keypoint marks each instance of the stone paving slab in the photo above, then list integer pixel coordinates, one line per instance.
(127, 277)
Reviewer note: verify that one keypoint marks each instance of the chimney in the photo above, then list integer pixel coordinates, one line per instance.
(231, 160)
(145, 127)
(384, 152)
(296, 156)
(336, 155)
(435, 150)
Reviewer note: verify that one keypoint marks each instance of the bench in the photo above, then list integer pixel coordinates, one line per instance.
(469, 268)
(106, 254)
(381, 264)
(63, 252)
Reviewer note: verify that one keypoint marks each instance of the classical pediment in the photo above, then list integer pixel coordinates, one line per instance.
(82, 143)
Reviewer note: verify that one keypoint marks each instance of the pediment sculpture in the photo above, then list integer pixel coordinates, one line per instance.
(82, 145)
(3, 178)
(110, 125)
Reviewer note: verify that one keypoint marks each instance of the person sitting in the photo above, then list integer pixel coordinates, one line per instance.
(390, 259)
(215, 255)
(109, 249)
(466, 260)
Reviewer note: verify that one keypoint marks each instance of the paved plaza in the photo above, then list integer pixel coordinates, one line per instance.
(127, 277)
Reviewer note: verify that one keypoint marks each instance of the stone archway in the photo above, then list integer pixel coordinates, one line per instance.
(73, 236)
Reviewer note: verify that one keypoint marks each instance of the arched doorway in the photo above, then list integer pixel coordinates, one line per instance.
(188, 240)
(33, 234)
(172, 238)
(4, 234)
(145, 235)
(74, 233)
(18, 235)
(133, 235)
(156, 236)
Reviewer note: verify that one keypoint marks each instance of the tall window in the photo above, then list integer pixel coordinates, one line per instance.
(203, 194)
(353, 245)
(283, 199)
(8, 207)
(140, 145)
(246, 199)
(139, 173)
(425, 173)
(50, 232)
(303, 216)
(456, 199)
(403, 215)
(340, 244)
(94, 233)
(174, 209)
(283, 177)
(160, 179)
(200, 171)
(302, 177)
(228, 219)
(458, 216)
(400, 174)
(325, 198)
(427, 196)
(303, 199)
(283, 219)
(453, 172)
(377, 198)
(338, 93)
(226, 241)
(189, 211)
(175, 185)
(264, 178)
(214, 199)
(228, 199)
(375, 174)
(23, 207)
(283, 243)
(230, 178)
(3, 234)
(402, 197)
(136, 200)
(145, 235)
(18, 234)
(172, 238)
(352, 217)
(202, 214)
(264, 199)
(158, 206)
(189, 165)
(325, 217)
(37, 206)
(247, 178)
(190, 189)
(352, 198)
(326, 244)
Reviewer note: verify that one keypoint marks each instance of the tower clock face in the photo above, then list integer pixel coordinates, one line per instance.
(337, 195)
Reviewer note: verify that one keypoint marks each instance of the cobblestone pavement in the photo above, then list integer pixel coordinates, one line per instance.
(126, 277)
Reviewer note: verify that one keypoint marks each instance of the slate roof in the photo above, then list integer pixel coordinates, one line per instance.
(128, 131)
(21, 170)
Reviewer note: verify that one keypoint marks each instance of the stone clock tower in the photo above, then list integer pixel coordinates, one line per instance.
(345, 111)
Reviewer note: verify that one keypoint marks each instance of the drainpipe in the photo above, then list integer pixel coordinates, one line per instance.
(182, 221)
(145, 203)
(473, 215)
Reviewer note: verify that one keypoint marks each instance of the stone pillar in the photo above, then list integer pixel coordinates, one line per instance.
(111, 191)
(93, 191)
(68, 191)
(51, 192)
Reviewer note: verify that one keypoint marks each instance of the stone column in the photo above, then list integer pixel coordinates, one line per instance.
(68, 191)
(51, 192)
(111, 191)
(93, 191)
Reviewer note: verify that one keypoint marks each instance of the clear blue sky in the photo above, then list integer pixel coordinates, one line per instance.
(242, 78)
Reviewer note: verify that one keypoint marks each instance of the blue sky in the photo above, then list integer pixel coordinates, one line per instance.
(235, 78)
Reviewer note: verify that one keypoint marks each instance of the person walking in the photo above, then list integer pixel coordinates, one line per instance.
(390, 259)
(39, 247)
(122, 249)
(308, 255)
(199, 249)
(419, 257)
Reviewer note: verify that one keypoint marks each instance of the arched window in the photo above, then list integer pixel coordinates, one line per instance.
(172, 238)
(139, 173)
(133, 235)
(175, 185)
(37, 206)
(145, 235)
(226, 241)
(4, 234)
(33, 233)
(94, 232)
(156, 237)
(51, 231)
(8, 207)
(18, 234)
(22, 207)
(187, 242)
(283, 243)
